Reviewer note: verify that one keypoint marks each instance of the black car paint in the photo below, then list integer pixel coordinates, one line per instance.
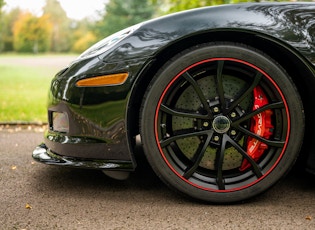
(104, 120)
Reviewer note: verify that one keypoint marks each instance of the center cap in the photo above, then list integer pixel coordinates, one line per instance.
(221, 124)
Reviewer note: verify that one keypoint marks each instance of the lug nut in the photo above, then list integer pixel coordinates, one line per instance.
(205, 124)
(233, 132)
(216, 138)
(215, 109)
(233, 114)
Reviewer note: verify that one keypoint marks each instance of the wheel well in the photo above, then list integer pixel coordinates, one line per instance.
(296, 67)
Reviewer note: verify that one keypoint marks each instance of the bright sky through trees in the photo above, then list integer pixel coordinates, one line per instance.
(75, 9)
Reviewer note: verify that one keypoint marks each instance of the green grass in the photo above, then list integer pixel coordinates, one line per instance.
(24, 90)
(23, 94)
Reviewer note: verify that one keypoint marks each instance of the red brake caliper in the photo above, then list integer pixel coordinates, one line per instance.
(261, 126)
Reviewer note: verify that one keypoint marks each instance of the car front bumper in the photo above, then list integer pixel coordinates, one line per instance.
(85, 142)
(44, 155)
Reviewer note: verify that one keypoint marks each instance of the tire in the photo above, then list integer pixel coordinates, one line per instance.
(221, 122)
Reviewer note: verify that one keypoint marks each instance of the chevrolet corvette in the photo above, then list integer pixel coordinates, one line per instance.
(220, 99)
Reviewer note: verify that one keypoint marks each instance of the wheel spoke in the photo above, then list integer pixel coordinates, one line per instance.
(219, 164)
(220, 159)
(256, 168)
(199, 92)
(272, 143)
(219, 82)
(173, 112)
(198, 157)
(246, 93)
(237, 124)
(185, 134)
(276, 105)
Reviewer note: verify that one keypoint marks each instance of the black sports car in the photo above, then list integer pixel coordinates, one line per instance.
(220, 97)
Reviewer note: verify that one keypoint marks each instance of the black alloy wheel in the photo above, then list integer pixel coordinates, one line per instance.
(221, 122)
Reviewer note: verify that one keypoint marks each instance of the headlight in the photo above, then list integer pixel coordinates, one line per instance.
(108, 42)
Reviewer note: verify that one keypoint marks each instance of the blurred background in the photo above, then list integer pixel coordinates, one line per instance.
(39, 37)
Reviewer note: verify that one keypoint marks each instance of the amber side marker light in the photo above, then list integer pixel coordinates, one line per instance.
(111, 79)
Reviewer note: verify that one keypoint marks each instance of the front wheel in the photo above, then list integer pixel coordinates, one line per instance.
(221, 122)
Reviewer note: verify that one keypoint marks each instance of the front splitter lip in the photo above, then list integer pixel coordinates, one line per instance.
(43, 155)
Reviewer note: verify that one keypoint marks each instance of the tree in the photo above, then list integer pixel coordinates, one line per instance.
(1, 24)
(84, 42)
(83, 35)
(120, 14)
(6, 32)
(2, 3)
(179, 5)
(32, 34)
(60, 39)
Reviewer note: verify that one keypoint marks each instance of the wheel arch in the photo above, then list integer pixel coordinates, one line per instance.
(301, 71)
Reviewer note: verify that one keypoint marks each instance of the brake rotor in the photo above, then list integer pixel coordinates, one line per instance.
(189, 100)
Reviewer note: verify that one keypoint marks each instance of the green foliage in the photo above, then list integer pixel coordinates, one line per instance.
(1, 23)
(83, 35)
(120, 14)
(179, 5)
(84, 42)
(31, 34)
(6, 32)
(2, 3)
(61, 35)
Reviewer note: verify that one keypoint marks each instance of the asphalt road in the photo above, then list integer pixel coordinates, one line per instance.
(36, 196)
